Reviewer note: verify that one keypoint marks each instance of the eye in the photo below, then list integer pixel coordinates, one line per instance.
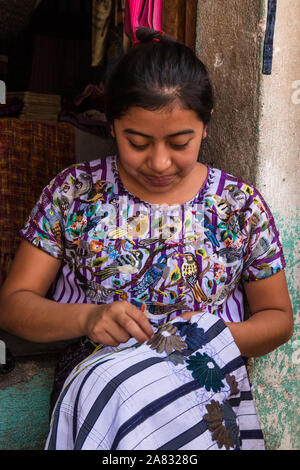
(138, 147)
(179, 146)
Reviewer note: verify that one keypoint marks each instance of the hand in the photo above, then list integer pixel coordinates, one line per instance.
(188, 315)
(116, 323)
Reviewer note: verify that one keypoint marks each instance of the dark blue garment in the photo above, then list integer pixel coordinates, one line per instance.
(269, 35)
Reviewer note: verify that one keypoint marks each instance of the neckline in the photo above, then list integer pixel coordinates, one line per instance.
(196, 199)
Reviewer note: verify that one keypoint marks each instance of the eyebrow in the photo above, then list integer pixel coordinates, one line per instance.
(183, 132)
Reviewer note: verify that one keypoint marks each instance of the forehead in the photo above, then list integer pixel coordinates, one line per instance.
(165, 121)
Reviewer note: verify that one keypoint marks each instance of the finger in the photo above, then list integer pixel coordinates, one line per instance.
(119, 334)
(106, 339)
(108, 332)
(141, 319)
(130, 322)
(188, 315)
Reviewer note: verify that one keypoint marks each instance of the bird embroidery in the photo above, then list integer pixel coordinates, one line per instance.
(129, 263)
(260, 248)
(55, 222)
(82, 185)
(84, 248)
(97, 293)
(159, 310)
(221, 295)
(222, 207)
(210, 232)
(97, 191)
(235, 196)
(236, 223)
(151, 277)
(190, 273)
(227, 256)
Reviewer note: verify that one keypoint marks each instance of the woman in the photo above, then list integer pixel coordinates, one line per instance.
(152, 241)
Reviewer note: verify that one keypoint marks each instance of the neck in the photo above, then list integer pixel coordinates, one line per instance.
(185, 191)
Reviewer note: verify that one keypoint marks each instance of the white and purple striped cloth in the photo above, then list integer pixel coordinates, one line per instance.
(194, 397)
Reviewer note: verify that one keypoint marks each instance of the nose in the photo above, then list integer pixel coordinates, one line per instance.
(159, 159)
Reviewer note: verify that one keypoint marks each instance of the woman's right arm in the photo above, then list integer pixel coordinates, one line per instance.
(25, 312)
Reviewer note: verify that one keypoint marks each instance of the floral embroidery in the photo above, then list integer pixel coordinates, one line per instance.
(231, 425)
(167, 340)
(195, 337)
(206, 371)
(214, 418)
(176, 358)
(231, 381)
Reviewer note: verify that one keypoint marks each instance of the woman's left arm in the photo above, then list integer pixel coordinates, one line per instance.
(271, 320)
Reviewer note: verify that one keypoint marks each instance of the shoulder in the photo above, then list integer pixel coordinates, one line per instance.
(80, 177)
(238, 193)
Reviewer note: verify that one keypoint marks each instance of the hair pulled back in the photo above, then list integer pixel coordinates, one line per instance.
(158, 72)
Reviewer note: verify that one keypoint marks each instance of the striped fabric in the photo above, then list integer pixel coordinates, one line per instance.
(31, 153)
(138, 398)
(146, 13)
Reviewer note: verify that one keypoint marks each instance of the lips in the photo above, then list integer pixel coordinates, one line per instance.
(159, 180)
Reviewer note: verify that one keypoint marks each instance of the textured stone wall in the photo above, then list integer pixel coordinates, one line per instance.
(228, 42)
(255, 135)
(24, 398)
(277, 376)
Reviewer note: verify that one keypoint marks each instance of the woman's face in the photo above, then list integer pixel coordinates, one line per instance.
(157, 150)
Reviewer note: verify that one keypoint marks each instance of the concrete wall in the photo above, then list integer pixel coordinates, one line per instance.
(24, 398)
(228, 38)
(277, 376)
(255, 134)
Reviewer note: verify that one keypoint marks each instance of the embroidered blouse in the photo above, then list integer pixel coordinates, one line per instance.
(164, 259)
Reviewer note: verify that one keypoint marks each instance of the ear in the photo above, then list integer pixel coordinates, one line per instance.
(112, 130)
(204, 132)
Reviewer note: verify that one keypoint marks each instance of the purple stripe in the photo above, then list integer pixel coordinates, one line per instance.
(228, 312)
(270, 260)
(103, 169)
(62, 282)
(238, 304)
(78, 289)
(221, 184)
(71, 288)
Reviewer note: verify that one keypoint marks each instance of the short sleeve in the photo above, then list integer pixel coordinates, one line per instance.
(45, 226)
(263, 254)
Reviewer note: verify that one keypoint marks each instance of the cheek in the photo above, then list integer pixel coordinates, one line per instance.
(128, 158)
(188, 160)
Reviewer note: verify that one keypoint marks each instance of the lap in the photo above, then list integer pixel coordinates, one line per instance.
(186, 389)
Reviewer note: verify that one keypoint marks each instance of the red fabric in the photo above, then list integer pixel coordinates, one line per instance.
(31, 154)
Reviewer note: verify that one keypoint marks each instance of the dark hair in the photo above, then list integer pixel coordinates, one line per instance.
(158, 72)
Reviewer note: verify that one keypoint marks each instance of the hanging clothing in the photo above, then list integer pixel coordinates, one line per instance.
(146, 13)
(101, 15)
(104, 14)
